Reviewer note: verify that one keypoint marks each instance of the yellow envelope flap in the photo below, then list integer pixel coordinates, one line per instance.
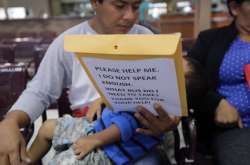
(164, 44)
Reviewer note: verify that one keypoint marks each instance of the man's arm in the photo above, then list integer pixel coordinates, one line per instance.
(12, 143)
(18, 117)
(54, 74)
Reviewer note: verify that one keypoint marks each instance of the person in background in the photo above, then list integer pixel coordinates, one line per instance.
(112, 139)
(144, 16)
(60, 69)
(224, 53)
(143, 10)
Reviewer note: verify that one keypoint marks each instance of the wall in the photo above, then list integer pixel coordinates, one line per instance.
(57, 25)
(185, 23)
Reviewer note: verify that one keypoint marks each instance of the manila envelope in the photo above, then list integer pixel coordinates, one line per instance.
(132, 70)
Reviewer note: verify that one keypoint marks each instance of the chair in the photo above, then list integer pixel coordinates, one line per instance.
(186, 155)
(179, 145)
(33, 62)
(6, 35)
(12, 83)
(24, 50)
(39, 53)
(27, 34)
(6, 54)
(47, 36)
(196, 152)
(62, 105)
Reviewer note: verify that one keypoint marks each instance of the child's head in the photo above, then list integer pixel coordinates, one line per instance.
(195, 81)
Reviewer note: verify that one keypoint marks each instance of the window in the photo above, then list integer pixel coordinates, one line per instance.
(2, 14)
(16, 12)
(184, 7)
(157, 9)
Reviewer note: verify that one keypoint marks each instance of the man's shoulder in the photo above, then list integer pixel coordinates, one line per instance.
(139, 29)
(77, 29)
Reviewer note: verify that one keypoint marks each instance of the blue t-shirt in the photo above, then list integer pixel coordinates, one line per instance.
(233, 85)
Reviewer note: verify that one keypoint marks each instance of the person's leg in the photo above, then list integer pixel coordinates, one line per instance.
(232, 147)
(42, 142)
(152, 158)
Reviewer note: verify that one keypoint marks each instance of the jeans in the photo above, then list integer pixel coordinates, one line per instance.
(152, 158)
(232, 147)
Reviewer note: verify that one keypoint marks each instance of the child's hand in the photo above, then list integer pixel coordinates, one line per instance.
(84, 145)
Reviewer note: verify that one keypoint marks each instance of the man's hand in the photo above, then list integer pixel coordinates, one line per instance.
(95, 109)
(84, 145)
(12, 144)
(154, 125)
(226, 115)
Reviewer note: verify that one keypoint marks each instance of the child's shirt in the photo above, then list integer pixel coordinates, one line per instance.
(132, 145)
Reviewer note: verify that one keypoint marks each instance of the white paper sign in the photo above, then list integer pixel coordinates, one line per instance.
(127, 84)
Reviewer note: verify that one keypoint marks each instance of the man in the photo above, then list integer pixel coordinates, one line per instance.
(60, 69)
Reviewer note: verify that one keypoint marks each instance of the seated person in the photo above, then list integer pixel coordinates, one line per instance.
(112, 139)
(224, 53)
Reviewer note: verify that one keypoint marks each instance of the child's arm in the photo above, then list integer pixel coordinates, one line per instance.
(113, 128)
(88, 143)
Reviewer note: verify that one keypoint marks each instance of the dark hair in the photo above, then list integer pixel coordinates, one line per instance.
(196, 83)
(236, 1)
(100, 1)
